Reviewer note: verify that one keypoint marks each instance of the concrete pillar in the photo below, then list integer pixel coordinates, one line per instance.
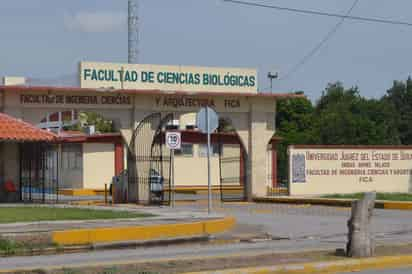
(262, 116)
(140, 193)
(132, 189)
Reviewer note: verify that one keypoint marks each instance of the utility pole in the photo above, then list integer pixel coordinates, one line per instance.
(133, 32)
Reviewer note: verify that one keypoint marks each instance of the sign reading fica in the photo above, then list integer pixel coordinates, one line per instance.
(159, 77)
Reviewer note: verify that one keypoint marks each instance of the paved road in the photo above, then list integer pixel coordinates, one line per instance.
(306, 227)
(317, 223)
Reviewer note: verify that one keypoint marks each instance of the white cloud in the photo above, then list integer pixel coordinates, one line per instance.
(99, 21)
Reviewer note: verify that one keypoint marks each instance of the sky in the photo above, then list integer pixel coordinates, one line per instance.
(45, 40)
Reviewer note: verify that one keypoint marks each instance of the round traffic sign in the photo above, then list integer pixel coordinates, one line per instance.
(173, 140)
(201, 120)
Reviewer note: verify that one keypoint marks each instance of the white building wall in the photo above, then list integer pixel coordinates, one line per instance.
(192, 170)
(98, 165)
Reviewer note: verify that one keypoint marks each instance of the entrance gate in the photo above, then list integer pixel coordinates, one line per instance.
(149, 162)
(232, 166)
(39, 173)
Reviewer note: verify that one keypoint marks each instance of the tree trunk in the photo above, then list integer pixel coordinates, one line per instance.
(360, 239)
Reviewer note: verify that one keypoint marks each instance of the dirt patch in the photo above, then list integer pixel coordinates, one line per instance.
(179, 266)
(32, 239)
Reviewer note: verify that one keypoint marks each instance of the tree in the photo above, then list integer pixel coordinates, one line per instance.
(344, 117)
(295, 126)
(399, 96)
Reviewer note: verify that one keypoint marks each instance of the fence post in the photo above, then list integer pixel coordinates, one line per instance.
(113, 190)
(105, 194)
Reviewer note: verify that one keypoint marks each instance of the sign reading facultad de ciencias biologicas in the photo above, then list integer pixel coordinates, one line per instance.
(183, 78)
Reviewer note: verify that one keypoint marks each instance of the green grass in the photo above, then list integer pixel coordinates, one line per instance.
(9, 247)
(379, 196)
(31, 214)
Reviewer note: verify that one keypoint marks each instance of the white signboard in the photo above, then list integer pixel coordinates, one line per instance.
(317, 170)
(173, 140)
(171, 78)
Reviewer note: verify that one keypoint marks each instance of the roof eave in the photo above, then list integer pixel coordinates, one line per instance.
(149, 92)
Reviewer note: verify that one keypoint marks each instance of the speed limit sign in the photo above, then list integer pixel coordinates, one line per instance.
(173, 140)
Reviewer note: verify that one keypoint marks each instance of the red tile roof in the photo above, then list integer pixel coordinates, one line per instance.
(12, 129)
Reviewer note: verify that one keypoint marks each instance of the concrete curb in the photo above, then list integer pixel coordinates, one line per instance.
(184, 190)
(103, 246)
(349, 265)
(142, 233)
(82, 192)
(398, 205)
(332, 202)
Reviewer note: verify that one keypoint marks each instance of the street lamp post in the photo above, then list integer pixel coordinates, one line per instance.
(271, 76)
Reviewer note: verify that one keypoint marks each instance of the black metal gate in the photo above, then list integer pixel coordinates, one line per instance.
(232, 166)
(39, 173)
(149, 162)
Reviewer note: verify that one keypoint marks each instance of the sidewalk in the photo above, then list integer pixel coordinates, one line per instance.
(166, 224)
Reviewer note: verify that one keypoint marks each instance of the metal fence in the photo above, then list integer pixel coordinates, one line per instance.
(39, 173)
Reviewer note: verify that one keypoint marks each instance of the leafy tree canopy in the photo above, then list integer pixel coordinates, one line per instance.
(399, 96)
(343, 116)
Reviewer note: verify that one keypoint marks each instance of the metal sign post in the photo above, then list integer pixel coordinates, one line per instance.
(209, 185)
(172, 178)
(207, 121)
(173, 141)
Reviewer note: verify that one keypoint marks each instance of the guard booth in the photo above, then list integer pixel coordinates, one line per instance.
(28, 162)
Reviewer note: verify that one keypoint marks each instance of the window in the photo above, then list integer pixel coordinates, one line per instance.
(72, 156)
(214, 150)
(185, 150)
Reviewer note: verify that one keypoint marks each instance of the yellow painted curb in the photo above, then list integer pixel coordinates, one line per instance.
(141, 233)
(315, 201)
(203, 189)
(81, 192)
(184, 190)
(89, 203)
(347, 265)
(333, 202)
(398, 205)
